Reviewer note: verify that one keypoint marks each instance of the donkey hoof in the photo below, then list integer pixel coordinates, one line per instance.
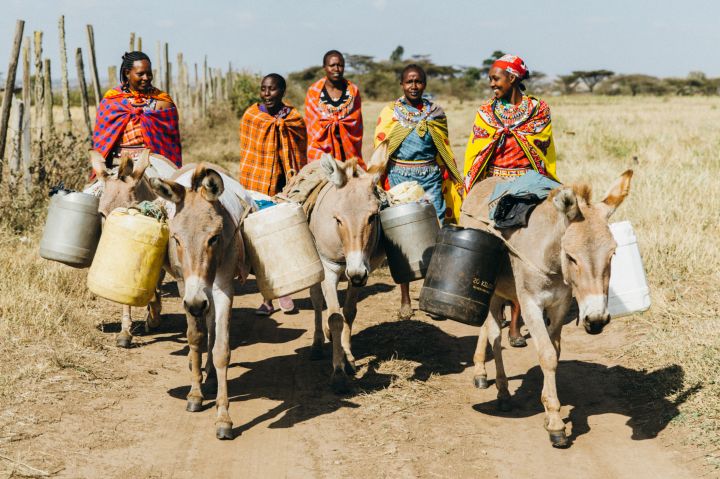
(224, 432)
(123, 342)
(559, 439)
(339, 383)
(481, 382)
(194, 405)
(316, 353)
(504, 405)
(350, 368)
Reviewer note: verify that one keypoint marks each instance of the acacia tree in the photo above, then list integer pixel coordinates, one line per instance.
(592, 77)
(568, 83)
(397, 54)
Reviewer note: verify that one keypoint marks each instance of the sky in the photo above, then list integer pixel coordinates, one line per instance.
(660, 37)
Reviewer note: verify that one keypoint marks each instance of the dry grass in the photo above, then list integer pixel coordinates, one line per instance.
(49, 335)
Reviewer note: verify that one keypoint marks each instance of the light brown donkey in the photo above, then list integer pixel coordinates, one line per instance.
(129, 186)
(564, 251)
(206, 251)
(347, 234)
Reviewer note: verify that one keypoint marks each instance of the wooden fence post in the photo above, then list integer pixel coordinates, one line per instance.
(93, 64)
(83, 91)
(16, 124)
(39, 93)
(26, 140)
(9, 89)
(132, 42)
(168, 74)
(139, 44)
(67, 121)
(48, 101)
(158, 60)
(112, 76)
(203, 90)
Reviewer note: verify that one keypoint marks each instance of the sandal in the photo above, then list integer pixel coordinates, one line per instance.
(287, 304)
(265, 309)
(517, 341)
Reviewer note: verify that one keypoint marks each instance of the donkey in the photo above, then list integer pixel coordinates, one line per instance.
(347, 234)
(128, 187)
(564, 251)
(206, 251)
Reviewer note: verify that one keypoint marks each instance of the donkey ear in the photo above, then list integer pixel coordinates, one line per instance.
(212, 185)
(126, 168)
(335, 174)
(379, 159)
(141, 164)
(566, 203)
(98, 165)
(617, 193)
(168, 190)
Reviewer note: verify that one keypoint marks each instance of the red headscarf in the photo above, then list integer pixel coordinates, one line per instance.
(513, 65)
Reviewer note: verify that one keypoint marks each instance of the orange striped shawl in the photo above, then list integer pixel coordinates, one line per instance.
(270, 148)
(325, 123)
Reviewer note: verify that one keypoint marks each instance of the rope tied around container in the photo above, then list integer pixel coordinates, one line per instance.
(151, 209)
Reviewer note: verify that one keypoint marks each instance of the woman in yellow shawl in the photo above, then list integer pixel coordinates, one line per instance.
(416, 132)
(512, 135)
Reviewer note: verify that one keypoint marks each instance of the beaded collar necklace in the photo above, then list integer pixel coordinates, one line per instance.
(510, 114)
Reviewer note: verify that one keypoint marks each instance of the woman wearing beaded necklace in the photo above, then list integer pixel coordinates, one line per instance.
(512, 135)
(416, 132)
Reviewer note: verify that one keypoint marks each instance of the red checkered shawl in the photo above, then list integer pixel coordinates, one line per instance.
(333, 129)
(160, 129)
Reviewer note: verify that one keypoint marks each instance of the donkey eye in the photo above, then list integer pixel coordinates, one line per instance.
(212, 241)
(571, 259)
(338, 221)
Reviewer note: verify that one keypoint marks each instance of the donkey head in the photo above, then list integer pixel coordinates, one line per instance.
(587, 246)
(199, 233)
(355, 213)
(127, 187)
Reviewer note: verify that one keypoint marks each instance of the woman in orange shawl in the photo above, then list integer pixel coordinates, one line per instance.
(135, 115)
(272, 150)
(512, 135)
(272, 140)
(333, 114)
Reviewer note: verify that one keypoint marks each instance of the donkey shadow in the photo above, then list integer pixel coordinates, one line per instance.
(303, 388)
(595, 389)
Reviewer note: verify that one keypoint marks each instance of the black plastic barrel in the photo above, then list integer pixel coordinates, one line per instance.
(460, 279)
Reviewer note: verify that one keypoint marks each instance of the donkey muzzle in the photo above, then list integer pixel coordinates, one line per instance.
(594, 314)
(356, 269)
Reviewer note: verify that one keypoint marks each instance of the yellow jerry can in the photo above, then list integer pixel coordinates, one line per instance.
(129, 258)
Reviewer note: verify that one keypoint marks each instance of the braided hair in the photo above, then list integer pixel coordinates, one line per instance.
(278, 79)
(128, 60)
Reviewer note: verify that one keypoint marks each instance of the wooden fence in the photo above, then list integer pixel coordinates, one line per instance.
(27, 123)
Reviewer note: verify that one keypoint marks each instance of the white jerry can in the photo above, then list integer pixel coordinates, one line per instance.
(628, 292)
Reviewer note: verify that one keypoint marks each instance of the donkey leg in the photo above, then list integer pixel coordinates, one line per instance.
(339, 379)
(480, 357)
(316, 296)
(154, 308)
(194, 338)
(406, 311)
(124, 338)
(548, 357)
(210, 372)
(349, 314)
(495, 338)
(557, 314)
(222, 299)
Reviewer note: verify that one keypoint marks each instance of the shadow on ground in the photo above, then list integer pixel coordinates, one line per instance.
(595, 389)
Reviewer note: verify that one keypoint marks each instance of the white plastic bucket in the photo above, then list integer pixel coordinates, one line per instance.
(628, 292)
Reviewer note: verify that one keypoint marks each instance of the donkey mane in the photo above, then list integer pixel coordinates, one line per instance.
(583, 191)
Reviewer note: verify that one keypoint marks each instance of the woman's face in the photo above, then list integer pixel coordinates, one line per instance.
(502, 83)
(334, 68)
(271, 93)
(413, 85)
(140, 75)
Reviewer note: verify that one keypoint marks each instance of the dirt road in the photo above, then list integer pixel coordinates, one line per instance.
(413, 413)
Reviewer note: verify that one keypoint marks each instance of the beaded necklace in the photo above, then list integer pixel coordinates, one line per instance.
(510, 114)
(408, 118)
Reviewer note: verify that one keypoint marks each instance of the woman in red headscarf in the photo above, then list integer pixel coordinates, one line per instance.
(512, 135)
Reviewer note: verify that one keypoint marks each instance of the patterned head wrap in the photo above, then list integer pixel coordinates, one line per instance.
(513, 65)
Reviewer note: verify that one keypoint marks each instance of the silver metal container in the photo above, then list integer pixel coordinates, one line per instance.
(72, 229)
(409, 233)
